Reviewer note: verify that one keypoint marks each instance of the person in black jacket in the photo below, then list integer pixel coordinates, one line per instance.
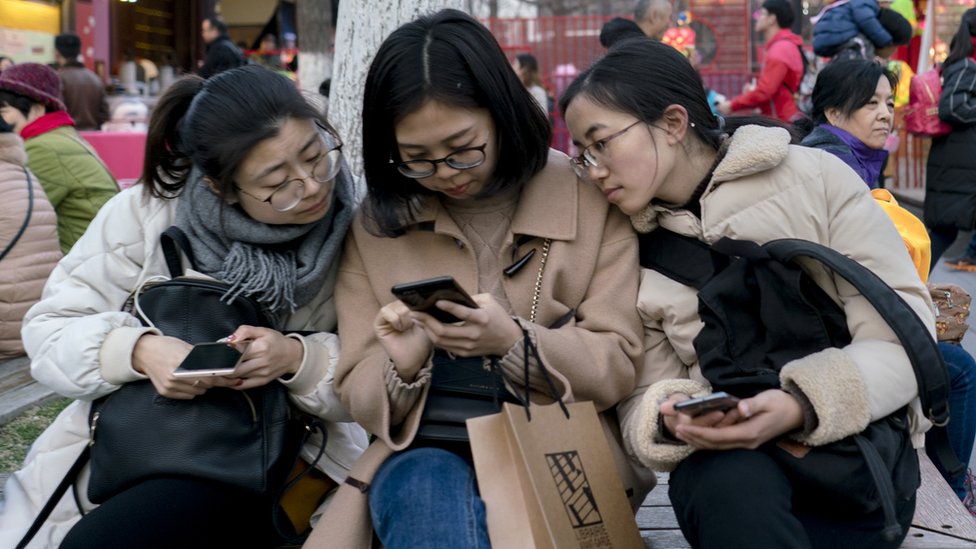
(950, 197)
(222, 54)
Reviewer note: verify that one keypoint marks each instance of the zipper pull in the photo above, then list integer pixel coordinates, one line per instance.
(91, 429)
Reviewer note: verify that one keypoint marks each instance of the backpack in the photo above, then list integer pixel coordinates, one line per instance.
(760, 310)
(922, 113)
(803, 95)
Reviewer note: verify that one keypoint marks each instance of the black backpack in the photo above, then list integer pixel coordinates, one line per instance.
(760, 311)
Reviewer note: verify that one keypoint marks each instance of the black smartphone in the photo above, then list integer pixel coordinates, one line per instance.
(423, 294)
(209, 359)
(708, 403)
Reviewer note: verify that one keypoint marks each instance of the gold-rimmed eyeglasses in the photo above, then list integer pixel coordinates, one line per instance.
(286, 196)
(591, 154)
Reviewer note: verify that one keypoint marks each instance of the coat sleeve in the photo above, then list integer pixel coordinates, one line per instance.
(364, 379)
(866, 16)
(79, 341)
(771, 78)
(872, 376)
(595, 356)
(957, 106)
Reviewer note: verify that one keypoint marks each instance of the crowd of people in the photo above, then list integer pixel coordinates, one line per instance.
(461, 180)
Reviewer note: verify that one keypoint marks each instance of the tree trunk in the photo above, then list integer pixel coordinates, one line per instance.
(314, 19)
(363, 25)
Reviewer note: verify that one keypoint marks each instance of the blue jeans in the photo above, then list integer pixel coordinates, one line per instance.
(427, 497)
(962, 408)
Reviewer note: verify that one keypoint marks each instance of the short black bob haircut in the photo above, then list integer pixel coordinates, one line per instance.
(451, 58)
(846, 85)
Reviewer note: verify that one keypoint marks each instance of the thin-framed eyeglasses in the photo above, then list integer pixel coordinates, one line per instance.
(287, 195)
(461, 159)
(589, 157)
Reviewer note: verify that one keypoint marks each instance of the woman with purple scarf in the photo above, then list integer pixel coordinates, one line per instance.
(853, 110)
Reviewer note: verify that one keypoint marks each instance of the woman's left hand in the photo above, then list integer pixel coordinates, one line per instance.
(764, 417)
(487, 330)
(268, 356)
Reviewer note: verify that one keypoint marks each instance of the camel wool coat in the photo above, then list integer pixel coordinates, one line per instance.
(592, 269)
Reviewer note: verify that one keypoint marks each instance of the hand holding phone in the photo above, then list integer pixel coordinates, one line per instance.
(423, 295)
(709, 403)
(210, 359)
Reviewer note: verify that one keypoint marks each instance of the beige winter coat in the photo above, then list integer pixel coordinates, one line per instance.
(592, 268)
(27, 265)
(765, 189)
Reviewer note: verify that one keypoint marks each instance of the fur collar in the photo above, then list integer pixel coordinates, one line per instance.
(12, 149)
(752, 149)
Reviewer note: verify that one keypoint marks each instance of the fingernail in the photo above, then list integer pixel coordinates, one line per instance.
(239, 382)
(231, 337)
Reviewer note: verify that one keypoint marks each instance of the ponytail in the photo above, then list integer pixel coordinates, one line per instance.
(167, 165)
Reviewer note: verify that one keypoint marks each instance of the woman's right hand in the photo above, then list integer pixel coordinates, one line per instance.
(157, 356)
(405, 342)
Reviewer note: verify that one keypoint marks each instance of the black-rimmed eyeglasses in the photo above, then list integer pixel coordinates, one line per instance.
(461, 159)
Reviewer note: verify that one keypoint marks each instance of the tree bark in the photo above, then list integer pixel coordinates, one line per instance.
(314, 19)
(363, 25)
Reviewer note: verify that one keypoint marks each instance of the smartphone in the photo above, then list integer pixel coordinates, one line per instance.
(423, 294)
(708, 403)
(209, 359)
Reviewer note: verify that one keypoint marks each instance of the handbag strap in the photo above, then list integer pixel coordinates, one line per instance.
(276, 520)
(27, 218)
(173, 241)
(537, 292)
(68, 480)
(529, 348)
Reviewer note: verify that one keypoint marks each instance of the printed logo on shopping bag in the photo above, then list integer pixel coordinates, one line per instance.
(574, 488)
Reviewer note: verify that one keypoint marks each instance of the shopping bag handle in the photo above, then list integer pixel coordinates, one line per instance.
(530, 348)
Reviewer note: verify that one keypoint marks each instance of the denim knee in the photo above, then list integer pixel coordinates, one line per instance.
(427, 497)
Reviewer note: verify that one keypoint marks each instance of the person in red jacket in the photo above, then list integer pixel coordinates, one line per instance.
(782, 69)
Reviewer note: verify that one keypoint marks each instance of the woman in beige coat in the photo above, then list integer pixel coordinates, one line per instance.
(651, 144)
(27, 215)
(461, 182)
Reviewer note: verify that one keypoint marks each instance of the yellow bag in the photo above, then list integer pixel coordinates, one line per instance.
(911, 229)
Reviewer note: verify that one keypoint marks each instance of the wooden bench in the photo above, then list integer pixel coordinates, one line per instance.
(941, 521)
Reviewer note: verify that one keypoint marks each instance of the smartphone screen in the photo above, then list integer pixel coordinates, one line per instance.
(209, 359)
(423, 295)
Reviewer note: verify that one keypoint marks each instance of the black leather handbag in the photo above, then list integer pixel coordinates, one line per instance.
(249, 439)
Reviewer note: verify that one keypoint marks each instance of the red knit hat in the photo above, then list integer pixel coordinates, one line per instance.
(34, 81)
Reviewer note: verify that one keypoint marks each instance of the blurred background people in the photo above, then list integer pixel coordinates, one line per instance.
(950, 171)
(527, 68)
(653, 17)
(222, 54)
(782, 68)
(82, 90)
(75, 180)
(5, 62)
(618, 29)
(25, 263)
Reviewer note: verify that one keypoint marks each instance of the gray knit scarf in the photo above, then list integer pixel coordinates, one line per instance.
(281, 266)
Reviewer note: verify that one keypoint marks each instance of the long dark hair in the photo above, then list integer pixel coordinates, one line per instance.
(846, 85)
(213, 124)
(451, 58)
(961, 46)
(642, 77)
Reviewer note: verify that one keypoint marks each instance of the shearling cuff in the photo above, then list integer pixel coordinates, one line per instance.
(832, 385)
(653, 450)
(115, 355)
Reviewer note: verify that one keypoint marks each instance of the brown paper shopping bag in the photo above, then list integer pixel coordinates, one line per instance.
(550, 482)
